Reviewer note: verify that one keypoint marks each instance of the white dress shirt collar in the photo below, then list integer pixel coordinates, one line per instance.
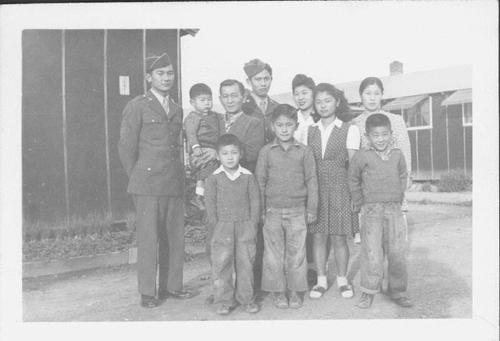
(259, 100)
(337, 122)
(304, 123)
(235, 175)
(159, 96)
(353, 138)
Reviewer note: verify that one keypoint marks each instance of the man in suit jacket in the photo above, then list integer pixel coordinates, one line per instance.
(249, 130)
(150, 151)
(257, 103)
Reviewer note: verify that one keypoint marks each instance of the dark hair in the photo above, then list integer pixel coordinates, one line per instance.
(301, 79)
(199, 89)
(230, 82)
(284, 110)
(377, 120)
(343, 110)
(228, 140)
(370, 81)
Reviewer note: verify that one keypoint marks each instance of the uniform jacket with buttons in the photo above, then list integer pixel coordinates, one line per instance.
(251, 108)
(150, 148)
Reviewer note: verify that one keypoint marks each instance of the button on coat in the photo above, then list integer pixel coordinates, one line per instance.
(150, 147)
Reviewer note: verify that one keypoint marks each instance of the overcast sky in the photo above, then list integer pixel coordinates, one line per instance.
(330, 41)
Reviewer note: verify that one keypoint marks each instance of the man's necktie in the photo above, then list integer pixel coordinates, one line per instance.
(165, 105)
(228, 122)
(262, 106)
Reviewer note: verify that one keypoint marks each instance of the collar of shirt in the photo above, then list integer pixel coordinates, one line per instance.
(300, 118)
(337, 122)
(326, 132)
(384, 155)
(231, 118)
(235, 175)
(259, 100)
(159, 96)
(277, 143)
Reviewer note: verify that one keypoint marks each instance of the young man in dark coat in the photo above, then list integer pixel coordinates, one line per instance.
(150, 151)
(257, 103)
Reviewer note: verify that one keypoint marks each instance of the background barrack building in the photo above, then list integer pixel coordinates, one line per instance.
(437, 108)
(77, 82)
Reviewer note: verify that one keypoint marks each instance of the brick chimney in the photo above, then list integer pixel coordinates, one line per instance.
(396, 68)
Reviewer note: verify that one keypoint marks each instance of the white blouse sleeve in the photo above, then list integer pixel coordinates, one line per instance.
(353, 138)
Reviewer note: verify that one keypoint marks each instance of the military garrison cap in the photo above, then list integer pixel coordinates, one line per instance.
(255, 66)
(157, 61)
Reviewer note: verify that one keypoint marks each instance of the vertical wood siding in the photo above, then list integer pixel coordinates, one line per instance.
(94, 174)
(42, 139)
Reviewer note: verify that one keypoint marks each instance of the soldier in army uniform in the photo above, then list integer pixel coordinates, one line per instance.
(257, 102)
(150, 151)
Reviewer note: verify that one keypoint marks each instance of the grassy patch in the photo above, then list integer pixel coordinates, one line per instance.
(90, 244)
(96, 243)
(93, 223)
(98, 234)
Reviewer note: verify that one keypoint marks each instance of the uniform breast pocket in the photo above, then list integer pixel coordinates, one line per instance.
(153, 126)
(150, 117)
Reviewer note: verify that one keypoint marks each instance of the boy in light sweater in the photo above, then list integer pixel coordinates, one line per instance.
(377, 181)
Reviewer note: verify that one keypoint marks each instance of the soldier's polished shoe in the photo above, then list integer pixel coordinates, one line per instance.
(149, 301)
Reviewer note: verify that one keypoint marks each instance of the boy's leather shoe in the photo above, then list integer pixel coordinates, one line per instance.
(280, 300)
(252, 308)
(180, 294)
(404, 302)
(224, 309)
(365, 301)
(294, 300)
(149, 301)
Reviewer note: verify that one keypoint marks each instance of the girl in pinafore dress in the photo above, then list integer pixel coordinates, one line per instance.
(333, 142)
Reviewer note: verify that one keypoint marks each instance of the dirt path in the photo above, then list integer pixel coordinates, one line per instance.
(440, 274)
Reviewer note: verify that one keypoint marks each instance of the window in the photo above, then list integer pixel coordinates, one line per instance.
(419, 116)
(416, 110)
(467, 114)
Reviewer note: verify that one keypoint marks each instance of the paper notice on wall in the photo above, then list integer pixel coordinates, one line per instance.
(124, 85)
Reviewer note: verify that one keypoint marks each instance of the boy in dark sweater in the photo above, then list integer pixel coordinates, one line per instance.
(286, 173)
(233, 209)
(377, 181)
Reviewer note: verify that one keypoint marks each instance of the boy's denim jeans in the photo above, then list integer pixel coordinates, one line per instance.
(383, 232)
(285, 265)
(233, 249)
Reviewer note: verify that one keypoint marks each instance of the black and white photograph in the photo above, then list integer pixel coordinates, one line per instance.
(330, 167)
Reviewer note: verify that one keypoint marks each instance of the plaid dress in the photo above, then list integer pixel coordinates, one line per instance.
(335, 213)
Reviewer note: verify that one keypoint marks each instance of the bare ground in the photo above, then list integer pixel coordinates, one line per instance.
(440, 275)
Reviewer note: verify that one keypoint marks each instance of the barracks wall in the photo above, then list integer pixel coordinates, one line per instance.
(75, 86)
(444, 147)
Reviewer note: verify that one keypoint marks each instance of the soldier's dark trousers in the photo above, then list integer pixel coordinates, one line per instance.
(160, 243)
